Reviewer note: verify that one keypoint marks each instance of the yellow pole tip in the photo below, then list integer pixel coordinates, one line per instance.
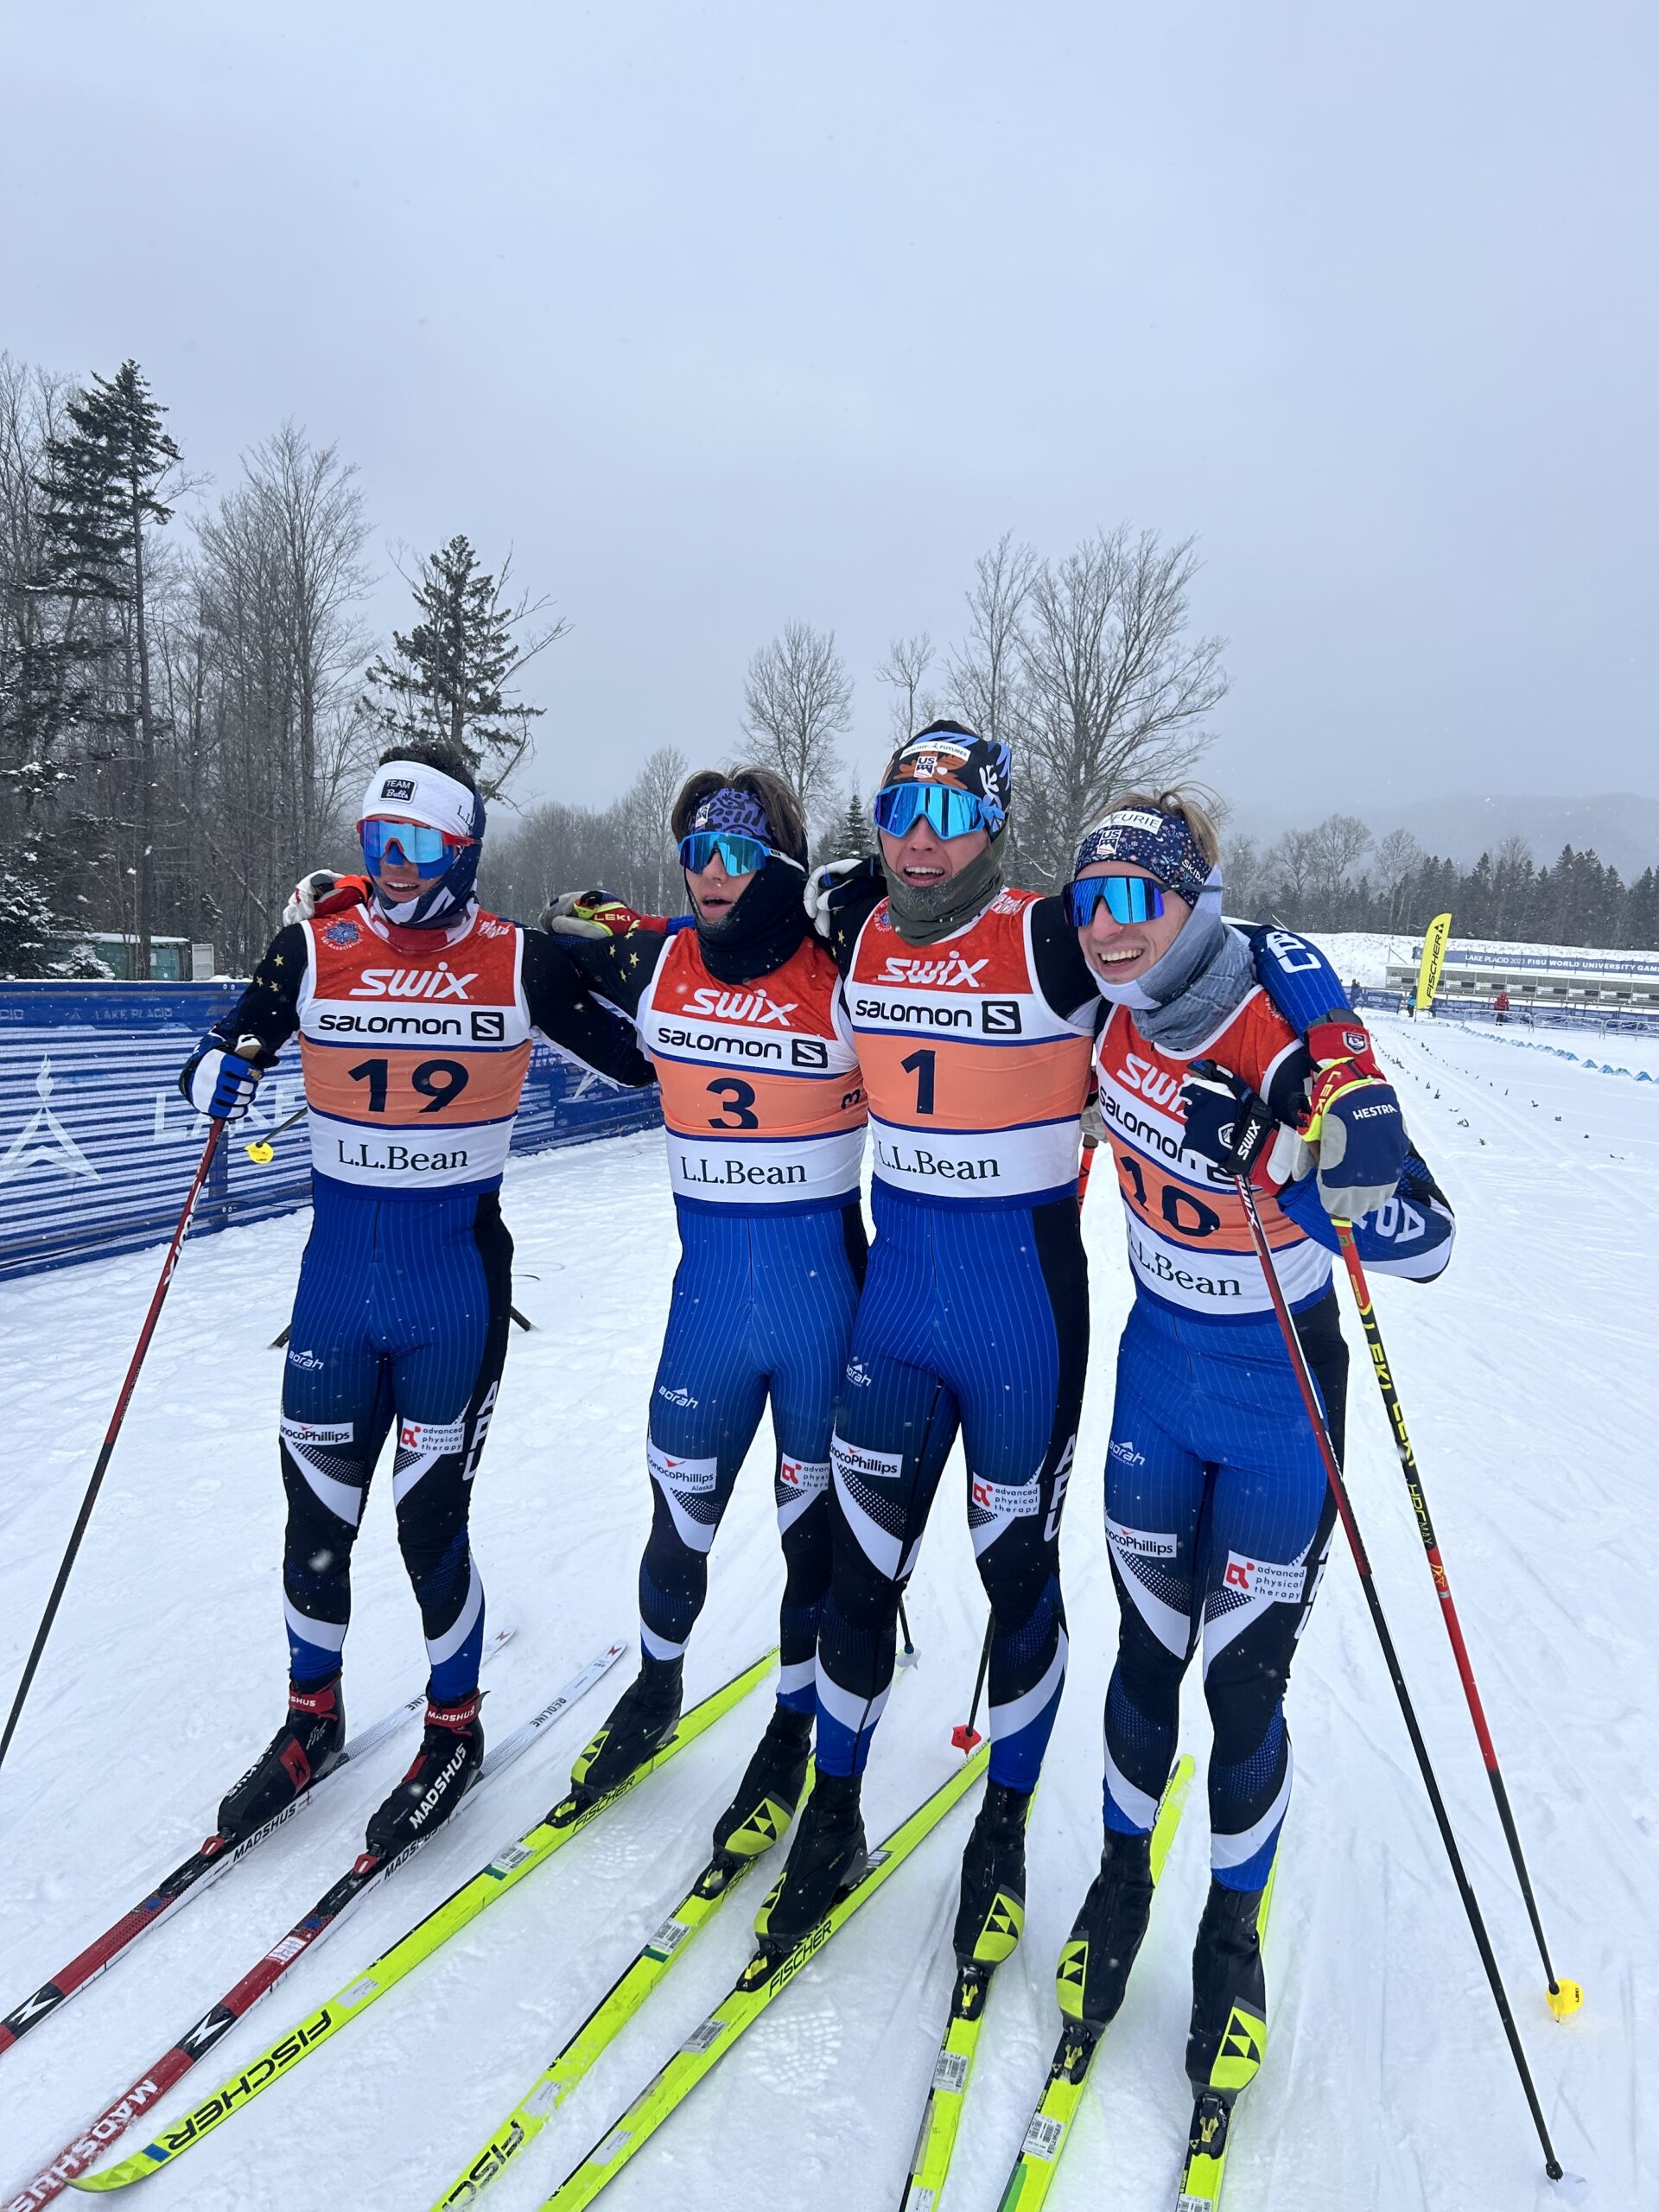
(1565, 1999)
(261, 1154)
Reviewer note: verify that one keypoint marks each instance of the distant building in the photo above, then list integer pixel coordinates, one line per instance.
(172, 959)
(1560, 976)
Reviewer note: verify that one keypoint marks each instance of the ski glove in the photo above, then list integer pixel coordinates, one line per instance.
(1228, 1125)
(589, 913)
(833, 884)
(323, 891)
(222, 1084)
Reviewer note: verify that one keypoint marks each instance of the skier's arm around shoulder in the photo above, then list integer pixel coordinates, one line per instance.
(616, 965)
(1062, 974)
(568, 1014)
(218, 1078)
(1411, 1233)
(840, 897)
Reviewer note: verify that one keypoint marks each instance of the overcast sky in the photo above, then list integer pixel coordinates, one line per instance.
(729, 315)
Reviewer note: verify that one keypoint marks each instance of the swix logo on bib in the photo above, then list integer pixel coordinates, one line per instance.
(414, 1061)
(1189, 1241)
(976, 1084)
(762, 1102)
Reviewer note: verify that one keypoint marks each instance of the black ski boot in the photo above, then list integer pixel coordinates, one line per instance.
(1228, 2033)
(828, 1854)
(771, 1788)
(302, 1750)
(446, 1767)
(991, 1911)
(1096, 1959)
(639, 1724)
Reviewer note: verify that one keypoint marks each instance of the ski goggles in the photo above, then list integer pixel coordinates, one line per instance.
(409, 844)
(737, 854)
(1127, 899)
(947, 812)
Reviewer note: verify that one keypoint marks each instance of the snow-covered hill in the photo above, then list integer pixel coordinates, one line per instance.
(1529, 1378)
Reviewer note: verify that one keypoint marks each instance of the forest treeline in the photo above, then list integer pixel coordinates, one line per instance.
(190, 696)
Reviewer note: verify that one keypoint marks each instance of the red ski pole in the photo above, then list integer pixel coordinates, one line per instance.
(114, 1429)
(1397, 1674)
(1565, 1997)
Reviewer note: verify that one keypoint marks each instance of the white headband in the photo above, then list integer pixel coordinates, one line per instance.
(408, 790)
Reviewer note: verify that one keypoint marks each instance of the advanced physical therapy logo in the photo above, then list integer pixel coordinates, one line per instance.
(43, 1142)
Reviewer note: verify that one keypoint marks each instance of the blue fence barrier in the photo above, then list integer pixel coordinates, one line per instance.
(1596, 1021)
(97, 1147)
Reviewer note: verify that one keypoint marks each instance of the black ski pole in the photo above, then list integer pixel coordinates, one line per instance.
(1564, 1997)
(85, 1515)
(965, 1736)
(1397, 1674)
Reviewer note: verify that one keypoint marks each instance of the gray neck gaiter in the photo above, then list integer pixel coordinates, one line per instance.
(924, 917)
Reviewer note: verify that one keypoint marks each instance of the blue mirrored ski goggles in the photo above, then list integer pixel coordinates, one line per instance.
(947, 812)
(738, 856)
(1128, 899)
(408, 845)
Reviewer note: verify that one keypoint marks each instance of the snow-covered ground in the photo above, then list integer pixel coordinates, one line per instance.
(1531, 1382)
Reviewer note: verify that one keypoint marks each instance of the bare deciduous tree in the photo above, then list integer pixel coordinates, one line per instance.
(1338, 841)
(797, 700)
(1114, 692)
(986, 686)
(905, 668)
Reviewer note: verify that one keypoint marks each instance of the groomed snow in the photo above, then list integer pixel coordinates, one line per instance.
(1529, 1378)
(1363, 955)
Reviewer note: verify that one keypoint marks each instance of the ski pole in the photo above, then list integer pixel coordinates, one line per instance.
(261, 1150)
(120, 1414)
(907, 1652)
(1565, 1997)
(965, 1736)
(1391, 1658)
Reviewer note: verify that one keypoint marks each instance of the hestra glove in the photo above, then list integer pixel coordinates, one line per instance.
(1353, 1119)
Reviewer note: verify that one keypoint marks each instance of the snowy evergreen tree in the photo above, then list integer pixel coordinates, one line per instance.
(26, 923)
(854, 833)
(448, 677)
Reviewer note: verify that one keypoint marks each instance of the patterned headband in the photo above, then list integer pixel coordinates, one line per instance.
(1163, 844)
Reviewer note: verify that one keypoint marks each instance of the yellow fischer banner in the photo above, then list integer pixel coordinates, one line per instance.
(1428, 975)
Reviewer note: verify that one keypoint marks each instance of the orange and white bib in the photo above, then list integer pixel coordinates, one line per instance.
(414, 1061)
(762, 1101)
(1189, 1241)
(976, 1084)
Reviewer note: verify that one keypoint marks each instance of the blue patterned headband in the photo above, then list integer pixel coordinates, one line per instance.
(1163, 844)
(741, 811)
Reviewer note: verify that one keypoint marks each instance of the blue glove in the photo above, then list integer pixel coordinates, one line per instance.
(1355, 1121)
(221, 1085)
(1226, 1122)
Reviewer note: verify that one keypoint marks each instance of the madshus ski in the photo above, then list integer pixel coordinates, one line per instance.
(661, 1951)
(766, 1976)
(1050, 2127)
(1236, 2065)
(367, 1874)
(195, 1876)
(510, 1866)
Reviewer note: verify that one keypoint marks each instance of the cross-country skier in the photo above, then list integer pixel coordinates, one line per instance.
(1217, 1510)
(973, 1014)
(764, 1114)
(415, 1012)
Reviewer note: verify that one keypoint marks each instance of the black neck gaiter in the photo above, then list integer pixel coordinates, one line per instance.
(764, 926)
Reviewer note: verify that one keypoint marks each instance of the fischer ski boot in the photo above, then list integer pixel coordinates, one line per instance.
(446, 1767)
(305, 1748)
(1228, 2034)
(772, 1787)
(828, 1855)
(641, 1723)
(991, 1911)
(1096, 1958)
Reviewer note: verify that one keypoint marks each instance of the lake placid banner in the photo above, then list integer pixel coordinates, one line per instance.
(97, 1147)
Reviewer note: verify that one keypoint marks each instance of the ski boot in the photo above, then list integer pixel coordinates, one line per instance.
(770, 1790)
(304, 1749)
(828, 1855)
(1096, 1959)
(639, 1724)
(445, 1768)
(991, 1911)
(1228, 2033)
